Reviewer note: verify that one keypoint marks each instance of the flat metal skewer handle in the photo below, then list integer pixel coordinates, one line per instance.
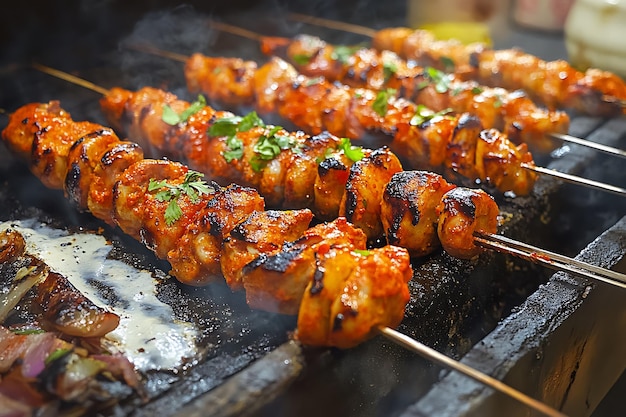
(550, 259)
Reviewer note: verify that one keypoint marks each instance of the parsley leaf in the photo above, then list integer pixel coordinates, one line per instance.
(389, 69)
(354, 153)
(235, 149)
(269, 146)
(192, 186)
(448, 63)
(172, 118)
(423, 114)
(381, 103)
(301, 59)
(441, 79)
(342, 53)
(229, 127)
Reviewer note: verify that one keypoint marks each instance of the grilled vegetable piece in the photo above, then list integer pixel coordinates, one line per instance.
(512, 112)
(56, 303)
(316, 105)
(553, 83)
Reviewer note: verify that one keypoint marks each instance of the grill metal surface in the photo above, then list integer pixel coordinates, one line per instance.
(249, 366)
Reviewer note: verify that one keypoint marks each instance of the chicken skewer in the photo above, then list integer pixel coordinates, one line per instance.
(554, 83)
(109, 177)
(360, 67)
(391, 212)
(425, 140)
(511, 112)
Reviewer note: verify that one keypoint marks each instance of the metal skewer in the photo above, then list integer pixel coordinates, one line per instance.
(429, 353)
(332, 24)
(248, 34)
(496, 242)
(550, 259)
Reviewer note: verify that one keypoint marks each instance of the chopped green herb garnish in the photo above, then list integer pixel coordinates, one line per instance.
(381, 103)
(28, 331)
(423, 114)
(229, 127)
(441, 79)
(389, 69)
(342, 53)
(448, 63)
(57, 354)
(476, 90)
(170, 117)
(235, 149)
(313, 81)
(354, 153)
(192, 186)
(363, 252)
(269, 146)
(301, 59)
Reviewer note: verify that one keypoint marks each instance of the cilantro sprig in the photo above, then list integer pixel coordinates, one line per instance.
(269, 145)
(353, 153)
(440, 79)
(229, 127)
(423, 114)
(172, 118)
(192, 186)
(389, 69)
(381, 103)
(342, 53)
(301, 59)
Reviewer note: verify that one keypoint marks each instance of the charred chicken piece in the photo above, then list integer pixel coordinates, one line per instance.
(352, 294)
(409, 210)
(462, 212)
(278, 278)
(553, 83)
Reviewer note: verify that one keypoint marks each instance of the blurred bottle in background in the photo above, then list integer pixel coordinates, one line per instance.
(595, 33)
(466, 20)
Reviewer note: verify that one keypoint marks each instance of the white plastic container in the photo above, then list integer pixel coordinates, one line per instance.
(595, 35)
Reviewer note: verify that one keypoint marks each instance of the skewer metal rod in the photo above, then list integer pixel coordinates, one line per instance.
(550, 259)
(333, 24)
(235, 30)
(71, 78)
(574, 179)
(594, 145)
(248, 34)
(429, 353)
